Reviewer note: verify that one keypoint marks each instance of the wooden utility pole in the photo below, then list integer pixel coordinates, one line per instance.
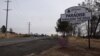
(29, 28)
(7, 10)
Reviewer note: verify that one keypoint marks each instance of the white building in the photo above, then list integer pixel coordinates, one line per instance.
(82, 28)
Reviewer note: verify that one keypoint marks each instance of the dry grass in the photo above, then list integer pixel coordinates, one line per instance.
(76, 47)
(8, 35)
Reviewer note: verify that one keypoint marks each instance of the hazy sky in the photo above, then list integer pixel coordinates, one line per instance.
(42, 14)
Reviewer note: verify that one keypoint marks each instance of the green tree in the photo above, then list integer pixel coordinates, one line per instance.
(3, 29)
(63, 27)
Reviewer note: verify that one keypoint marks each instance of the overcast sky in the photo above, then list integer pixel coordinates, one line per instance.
(42, 14)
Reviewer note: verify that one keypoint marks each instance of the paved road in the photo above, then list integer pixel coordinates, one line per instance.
(4, 42)
(28, 47)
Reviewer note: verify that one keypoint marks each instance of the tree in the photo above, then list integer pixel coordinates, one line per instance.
(3, 29)
(94, 24)
(11, 30)
(63, 27)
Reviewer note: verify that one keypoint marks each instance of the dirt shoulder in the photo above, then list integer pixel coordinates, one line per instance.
(76, 47)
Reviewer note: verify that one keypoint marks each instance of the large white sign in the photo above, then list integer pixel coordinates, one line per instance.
(76, 14)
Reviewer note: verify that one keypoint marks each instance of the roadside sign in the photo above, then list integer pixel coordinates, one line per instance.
(76, 14)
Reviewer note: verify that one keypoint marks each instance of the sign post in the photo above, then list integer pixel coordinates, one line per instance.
(88, 35)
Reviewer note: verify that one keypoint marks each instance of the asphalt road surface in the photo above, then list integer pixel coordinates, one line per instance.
(5, 42)
(27, 47)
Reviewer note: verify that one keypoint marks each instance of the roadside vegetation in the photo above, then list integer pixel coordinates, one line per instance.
(77, 47)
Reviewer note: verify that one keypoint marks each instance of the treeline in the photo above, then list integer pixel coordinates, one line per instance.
(4, 30)
(40, 35)
(12, 34)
